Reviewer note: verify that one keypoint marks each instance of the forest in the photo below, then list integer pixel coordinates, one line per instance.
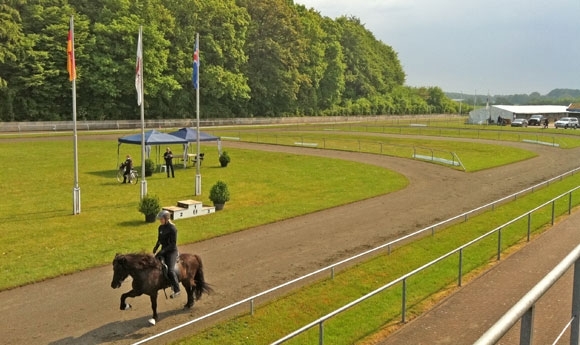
(258, 58)
(554, 97)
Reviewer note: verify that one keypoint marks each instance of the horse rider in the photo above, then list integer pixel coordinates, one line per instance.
(167, 239)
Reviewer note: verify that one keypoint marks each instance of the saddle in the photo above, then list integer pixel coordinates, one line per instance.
(165, 269)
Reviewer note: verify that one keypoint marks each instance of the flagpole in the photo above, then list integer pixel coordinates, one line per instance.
(72, 76)
(196, 85)
(487, 107)
(141, 100)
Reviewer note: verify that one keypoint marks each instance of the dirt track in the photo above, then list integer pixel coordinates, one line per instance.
(83, 309)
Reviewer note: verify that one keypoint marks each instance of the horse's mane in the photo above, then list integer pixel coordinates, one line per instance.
(141, 261)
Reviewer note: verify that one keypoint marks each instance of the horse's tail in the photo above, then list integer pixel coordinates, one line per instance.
(201, 285)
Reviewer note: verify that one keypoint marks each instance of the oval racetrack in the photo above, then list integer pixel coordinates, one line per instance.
(79, 309)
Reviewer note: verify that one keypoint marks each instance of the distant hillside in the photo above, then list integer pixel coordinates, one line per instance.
(564, 93)
(554, 97)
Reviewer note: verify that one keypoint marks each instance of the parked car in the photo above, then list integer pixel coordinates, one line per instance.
(519, 123)
(567, 122)
(536, 120)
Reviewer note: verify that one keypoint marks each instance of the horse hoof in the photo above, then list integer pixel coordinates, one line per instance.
(152, 322)
(127, 306)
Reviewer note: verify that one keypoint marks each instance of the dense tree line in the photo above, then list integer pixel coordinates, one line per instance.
(554, 97)
(257, 58)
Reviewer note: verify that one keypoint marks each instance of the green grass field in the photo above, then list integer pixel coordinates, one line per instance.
(474, 156)
(42, 238)
(284, 315)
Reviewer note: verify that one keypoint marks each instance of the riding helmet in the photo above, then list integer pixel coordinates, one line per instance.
(163, 214)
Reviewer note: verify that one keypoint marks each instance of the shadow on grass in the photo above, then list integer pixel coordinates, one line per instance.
(104, 173)
(110, 176)
(16, 216)
(132, 223)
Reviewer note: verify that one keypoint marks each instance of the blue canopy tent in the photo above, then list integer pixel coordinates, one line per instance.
(190, 134)
(152, 138)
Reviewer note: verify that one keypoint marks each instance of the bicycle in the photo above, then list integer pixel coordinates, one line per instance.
(133, 176)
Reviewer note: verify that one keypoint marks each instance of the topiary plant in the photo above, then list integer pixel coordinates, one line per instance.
(224, 159)
(149, 167)
(219, 194)
(149, 206)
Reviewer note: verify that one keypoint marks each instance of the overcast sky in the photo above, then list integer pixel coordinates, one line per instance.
(474, 46)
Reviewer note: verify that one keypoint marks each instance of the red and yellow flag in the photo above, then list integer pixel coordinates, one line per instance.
(70, 49)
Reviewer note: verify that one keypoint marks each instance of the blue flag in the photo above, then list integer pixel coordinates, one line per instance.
(195, 75)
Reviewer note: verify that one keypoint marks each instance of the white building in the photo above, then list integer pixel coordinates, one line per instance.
(483, 115)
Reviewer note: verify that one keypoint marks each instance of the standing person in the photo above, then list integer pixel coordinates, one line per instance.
(128, 165)
(168, 156)
(167, 239)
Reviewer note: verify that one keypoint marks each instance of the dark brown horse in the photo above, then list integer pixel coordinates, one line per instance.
(148, 277)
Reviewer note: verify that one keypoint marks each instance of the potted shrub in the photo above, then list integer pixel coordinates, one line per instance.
(224, 159)
(219, 194)
(149, 206)
(149, 167)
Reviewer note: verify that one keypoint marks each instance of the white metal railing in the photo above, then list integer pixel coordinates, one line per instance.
(431, 129)
(403, 279)
(53, 126)
(524, 309)
(388, 246)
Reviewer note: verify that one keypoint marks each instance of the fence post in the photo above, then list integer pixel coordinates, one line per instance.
(575, 327)
(529, 225)
(459, 278)
(404, 300)
(498, 244)
(321, 333)
(527, 326)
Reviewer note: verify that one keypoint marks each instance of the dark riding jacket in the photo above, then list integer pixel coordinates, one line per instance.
(167, 239)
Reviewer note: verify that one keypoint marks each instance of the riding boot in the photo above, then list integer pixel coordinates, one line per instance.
(164, 268)
(174, 284)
